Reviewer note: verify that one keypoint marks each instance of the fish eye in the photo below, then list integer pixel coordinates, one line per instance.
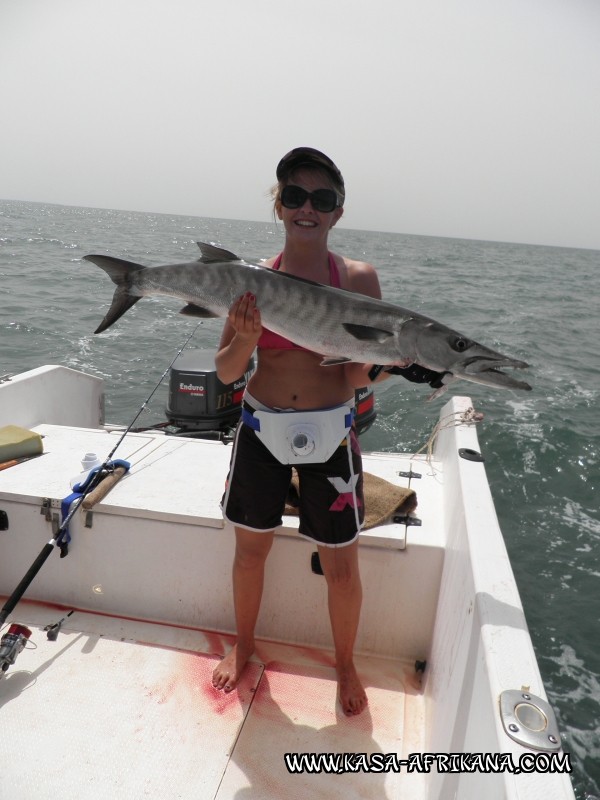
(460, 344)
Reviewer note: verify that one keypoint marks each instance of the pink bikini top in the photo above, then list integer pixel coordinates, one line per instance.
(273, 341)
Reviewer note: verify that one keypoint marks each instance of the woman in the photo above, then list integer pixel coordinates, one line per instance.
(309, 200)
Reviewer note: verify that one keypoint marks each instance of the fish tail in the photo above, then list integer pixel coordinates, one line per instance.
(120, 272)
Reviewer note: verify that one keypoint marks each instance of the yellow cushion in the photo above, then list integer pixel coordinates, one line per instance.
(18, 442)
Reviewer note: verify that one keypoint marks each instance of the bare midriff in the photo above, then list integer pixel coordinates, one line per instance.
(295, 379)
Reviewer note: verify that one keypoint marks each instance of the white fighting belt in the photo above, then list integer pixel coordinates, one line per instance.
(301, 437)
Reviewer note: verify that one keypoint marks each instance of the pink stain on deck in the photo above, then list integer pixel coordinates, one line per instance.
(194, 672)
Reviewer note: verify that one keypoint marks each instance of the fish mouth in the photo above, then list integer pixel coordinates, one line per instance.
(484, 363)
(487, 371)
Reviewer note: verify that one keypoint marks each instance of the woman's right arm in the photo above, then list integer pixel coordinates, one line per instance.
(238, 340)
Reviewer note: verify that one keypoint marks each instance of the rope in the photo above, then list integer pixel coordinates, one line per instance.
(467, 417)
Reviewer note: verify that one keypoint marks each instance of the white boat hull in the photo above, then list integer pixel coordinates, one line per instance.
(128, 676)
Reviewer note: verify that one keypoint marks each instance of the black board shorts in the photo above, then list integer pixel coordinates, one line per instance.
(331, 502)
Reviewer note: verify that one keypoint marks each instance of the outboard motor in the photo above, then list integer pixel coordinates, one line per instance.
(200, 405)
(366, 413)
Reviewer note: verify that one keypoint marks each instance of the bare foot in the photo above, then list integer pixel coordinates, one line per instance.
(228, 672)
(353, 698)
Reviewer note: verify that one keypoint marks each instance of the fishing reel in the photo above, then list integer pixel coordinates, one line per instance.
(11, 645)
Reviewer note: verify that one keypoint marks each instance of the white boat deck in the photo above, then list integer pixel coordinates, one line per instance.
(172, 467)
(141, 693)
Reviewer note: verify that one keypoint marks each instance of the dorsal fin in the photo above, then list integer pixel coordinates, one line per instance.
(211, 253)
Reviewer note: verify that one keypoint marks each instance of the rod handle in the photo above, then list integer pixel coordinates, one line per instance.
(103, 488)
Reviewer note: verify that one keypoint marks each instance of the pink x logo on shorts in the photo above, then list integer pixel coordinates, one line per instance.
(347, 493)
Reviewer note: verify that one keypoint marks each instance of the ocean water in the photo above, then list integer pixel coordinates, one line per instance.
(536, 303)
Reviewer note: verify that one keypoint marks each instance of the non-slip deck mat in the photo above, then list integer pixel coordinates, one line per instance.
(88, 717)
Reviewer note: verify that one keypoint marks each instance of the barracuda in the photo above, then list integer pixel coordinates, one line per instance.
(340, 325)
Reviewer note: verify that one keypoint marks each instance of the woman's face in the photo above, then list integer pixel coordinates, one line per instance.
(305, 221)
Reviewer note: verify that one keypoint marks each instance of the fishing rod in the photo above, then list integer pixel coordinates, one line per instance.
(61, 532)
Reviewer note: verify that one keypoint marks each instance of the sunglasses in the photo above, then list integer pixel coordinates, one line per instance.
(324, 200)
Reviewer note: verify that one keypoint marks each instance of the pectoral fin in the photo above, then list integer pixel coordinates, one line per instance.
(192, 310)
(332, 362)
(367, 334)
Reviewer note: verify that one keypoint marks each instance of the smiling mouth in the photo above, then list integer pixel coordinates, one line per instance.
(306, 223)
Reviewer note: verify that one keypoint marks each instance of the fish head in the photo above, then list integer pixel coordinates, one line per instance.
(445, 350)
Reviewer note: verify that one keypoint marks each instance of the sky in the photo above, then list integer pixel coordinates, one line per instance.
(475, 119)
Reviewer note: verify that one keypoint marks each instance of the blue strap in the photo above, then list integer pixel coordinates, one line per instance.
(109, 467)
(78, 490)
(250, 420)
